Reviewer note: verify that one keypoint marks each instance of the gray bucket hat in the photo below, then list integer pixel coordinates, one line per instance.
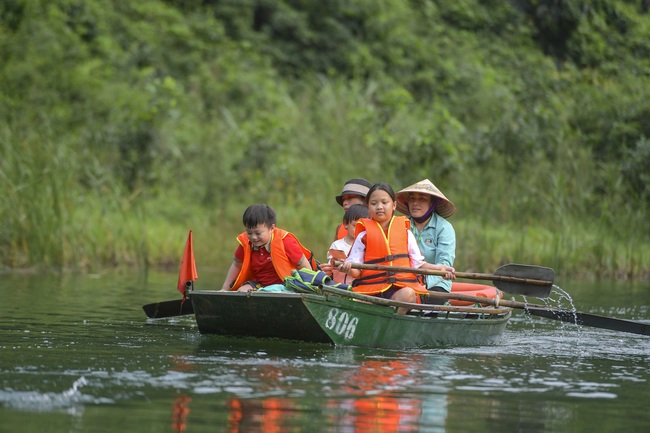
(356, 186)
(444, 208)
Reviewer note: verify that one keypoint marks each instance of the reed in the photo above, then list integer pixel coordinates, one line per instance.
(64, 205)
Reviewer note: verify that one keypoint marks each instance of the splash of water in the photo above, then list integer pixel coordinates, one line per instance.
(74, 390)
(563, 297)
(71, 400)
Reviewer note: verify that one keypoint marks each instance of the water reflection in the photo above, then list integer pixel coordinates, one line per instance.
(349, 387)
(79, 355)
(180, 412)
(271, 414)
(374, 403)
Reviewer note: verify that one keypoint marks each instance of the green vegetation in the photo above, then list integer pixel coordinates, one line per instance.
(125, 124)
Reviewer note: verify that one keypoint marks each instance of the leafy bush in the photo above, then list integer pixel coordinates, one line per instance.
(123, 123)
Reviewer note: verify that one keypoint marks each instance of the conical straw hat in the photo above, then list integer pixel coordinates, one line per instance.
(444, 208)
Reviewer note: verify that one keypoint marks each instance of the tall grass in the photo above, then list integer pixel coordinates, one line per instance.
(62, 207)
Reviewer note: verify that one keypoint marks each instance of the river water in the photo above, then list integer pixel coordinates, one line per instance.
(77, 354)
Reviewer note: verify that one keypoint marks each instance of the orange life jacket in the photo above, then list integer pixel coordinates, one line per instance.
(341, 232)
(281, 262)
(386, 250)
(472, 289)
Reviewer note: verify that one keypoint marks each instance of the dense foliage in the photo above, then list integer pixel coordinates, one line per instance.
(123, 124)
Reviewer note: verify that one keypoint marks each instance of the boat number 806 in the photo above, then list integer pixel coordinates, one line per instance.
(341, 323)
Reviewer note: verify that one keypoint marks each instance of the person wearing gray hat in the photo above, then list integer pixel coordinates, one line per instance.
(354, 192)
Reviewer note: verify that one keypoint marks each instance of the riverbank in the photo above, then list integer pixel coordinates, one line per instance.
(149, 237)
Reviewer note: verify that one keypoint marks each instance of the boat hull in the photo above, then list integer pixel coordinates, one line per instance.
(257, 315)
(352, 323)
(336, 319)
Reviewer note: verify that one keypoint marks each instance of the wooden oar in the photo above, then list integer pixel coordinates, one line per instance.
(173, 308)
(527, 280)
(409, 305)
(177, 307)
(561, 314)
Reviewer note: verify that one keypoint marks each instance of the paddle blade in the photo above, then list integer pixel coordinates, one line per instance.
(536, 281)
(593, 320)
(173, 308)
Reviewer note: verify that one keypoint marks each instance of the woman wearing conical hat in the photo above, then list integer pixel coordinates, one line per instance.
(427, 208)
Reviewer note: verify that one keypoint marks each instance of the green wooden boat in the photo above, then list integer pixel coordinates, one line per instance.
(352, 319)
(346, 318)
(337, 317)
(257, 315)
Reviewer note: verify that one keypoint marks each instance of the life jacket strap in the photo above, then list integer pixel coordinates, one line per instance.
(380, 278)
(389, 258)
(315, 266)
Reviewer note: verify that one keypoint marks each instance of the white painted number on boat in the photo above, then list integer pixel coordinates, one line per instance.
(341, 323)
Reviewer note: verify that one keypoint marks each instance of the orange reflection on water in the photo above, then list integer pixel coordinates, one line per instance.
(376, 408)
(180, 364)
(369, 401)
(180, 411)
(270, 415)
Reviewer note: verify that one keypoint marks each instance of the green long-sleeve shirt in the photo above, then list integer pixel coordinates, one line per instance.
(437, 242)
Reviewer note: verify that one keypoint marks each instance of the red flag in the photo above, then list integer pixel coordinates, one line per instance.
(188, 267)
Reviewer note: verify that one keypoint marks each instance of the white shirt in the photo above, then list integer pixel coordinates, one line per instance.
(339, 244)
(358, 250)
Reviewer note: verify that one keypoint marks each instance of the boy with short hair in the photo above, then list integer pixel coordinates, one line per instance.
(266, 253)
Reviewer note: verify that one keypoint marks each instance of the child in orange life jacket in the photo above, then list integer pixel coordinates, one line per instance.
(341, 247)
(386, 240)
(266, 254)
